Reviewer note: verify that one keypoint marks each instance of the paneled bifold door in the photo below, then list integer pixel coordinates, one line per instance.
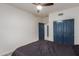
(64, 32)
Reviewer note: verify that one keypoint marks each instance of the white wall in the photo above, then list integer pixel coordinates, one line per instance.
(68, 14)
(44, 20)
(17, 28)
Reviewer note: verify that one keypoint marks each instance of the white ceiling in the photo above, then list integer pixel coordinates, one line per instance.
(46, 10)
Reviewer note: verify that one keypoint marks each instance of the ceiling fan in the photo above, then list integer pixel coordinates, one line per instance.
(44, 4)
(39, 6)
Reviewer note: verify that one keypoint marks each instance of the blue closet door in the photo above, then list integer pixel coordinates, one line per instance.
(64, 32)
(69, 32)
(41, 31)
(58, 32)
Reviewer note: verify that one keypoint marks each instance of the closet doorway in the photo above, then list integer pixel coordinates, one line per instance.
(64, 32)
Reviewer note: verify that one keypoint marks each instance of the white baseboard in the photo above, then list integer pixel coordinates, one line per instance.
(8, 54)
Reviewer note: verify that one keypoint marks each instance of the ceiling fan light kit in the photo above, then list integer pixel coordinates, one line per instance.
(39, 6)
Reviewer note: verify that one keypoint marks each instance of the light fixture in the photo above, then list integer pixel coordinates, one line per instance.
(39, 7)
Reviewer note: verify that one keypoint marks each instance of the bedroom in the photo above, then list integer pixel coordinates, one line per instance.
(19, 23)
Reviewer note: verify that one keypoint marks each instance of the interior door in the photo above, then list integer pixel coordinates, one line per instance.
(41, 31)
(69, 32)
(64, 32)
(58, 32)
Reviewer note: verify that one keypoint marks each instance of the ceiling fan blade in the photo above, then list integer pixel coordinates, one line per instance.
(47, 4)
(43, 4)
